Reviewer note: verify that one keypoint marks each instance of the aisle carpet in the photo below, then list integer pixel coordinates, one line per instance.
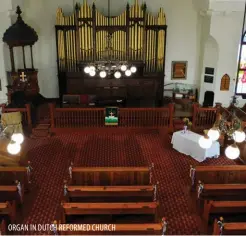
(51, 157)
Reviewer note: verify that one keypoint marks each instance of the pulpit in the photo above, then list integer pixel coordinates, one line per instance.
(23, 79)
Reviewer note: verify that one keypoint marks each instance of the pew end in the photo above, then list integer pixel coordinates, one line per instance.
(3, 228)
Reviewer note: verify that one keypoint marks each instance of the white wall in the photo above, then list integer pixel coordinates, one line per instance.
(226, 30)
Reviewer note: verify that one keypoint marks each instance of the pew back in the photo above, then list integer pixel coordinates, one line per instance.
(8, 175)
(9, 193)
(110, 176)
(82, 209)
(223, 207)
(232, 228)
(223, 192)
(229, 174)
(8, 211)
(110, 193)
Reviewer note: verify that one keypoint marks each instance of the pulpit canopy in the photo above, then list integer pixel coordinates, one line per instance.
(20, 34)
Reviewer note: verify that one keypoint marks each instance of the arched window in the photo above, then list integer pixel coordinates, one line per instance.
(241, 74)
(225, 83)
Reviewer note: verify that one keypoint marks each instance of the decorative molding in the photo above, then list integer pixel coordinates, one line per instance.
(216, 13)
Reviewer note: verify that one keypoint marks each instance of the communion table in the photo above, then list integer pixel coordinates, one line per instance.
(187, 143)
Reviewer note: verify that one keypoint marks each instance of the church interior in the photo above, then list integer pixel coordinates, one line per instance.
(123, 117)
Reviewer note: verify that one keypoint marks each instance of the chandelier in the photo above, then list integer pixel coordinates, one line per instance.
(232, 129)
(14, 133)
(109, 65)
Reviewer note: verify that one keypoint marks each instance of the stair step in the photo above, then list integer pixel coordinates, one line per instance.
(42, 127)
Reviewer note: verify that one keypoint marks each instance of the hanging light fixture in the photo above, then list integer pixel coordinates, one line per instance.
(18, 138)
(214, 133)
(13, 148)
(205, 142)
(239, 136)
(108, 64)
(14, 133)
(232, 152)
(233, 129)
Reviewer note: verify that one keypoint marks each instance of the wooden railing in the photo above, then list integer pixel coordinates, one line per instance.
(128, 117)
(203, 118)
(25, 112)
(240, 113)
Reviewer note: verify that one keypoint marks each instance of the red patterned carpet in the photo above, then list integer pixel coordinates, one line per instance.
(51, 157)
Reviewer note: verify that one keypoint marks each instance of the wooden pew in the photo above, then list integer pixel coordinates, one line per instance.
(3, 227)
(232, 174)
(112, 209)
(10, 193)
(120, 229)
(8, 175)
(223, 207)
(230, 228)
(110, 176)
(8, 212)
(221, 191)
(110, 193)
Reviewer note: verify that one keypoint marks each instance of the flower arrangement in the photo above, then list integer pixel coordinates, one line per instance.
(187, 123)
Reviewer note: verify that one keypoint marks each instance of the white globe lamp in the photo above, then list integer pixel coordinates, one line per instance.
(133, 69)
(117, 74)
(92, 68)
(13, 148)
(87, 69)
(128, 73)
(232, 152)
(92, 73)
(17, 138)
(123, 67)
(205, 142)
(214, 134)
(239, 136)
(103, 74)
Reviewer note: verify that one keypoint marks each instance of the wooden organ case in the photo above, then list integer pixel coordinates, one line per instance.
(25, 79)
(137, 37)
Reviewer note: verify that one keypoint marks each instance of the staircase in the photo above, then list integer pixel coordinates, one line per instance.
(41, 131)
(42, 128)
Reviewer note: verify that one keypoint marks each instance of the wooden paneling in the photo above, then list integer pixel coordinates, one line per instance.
(130, 88)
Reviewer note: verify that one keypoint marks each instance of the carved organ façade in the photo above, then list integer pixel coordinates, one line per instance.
(137, 37)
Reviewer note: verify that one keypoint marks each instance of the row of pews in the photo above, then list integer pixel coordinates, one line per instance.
(122, 197)
(14, 182)
(221, 197)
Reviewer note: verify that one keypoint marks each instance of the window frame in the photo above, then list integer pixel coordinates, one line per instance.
(242, 43)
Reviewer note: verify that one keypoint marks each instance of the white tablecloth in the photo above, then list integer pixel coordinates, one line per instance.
(188, 144)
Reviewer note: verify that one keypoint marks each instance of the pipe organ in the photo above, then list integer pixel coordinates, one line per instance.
(137, 37)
